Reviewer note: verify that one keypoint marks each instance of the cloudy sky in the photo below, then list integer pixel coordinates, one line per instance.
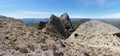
(75, 8)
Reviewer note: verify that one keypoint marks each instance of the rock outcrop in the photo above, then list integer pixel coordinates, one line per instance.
(96, 34)
(17, 39)
(67, 24)
(61, 26)
(55, 26)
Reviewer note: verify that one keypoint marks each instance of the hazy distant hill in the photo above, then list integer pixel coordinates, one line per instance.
(76, 21)
(33, 20)
(36, 20)
(114, 21)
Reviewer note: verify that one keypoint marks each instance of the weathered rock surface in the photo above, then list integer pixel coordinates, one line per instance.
(96, 34)
(61, 26)
(17, 39)
(55, 26)
(67, 24)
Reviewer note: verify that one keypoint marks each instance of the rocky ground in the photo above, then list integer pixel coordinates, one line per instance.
(93, 38)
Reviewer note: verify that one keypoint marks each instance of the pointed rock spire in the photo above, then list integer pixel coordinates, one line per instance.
(54, 25)
(66, 23)
(59, 25)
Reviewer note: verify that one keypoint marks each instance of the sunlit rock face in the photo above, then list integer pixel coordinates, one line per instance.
(96, 34)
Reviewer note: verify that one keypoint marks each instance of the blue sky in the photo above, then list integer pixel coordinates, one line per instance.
(75, 8)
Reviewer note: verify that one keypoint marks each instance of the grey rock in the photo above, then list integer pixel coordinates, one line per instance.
(61, 26)
(98, 34)
(54, 25)
(67, 24)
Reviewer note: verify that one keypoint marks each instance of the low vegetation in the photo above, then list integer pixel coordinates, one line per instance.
(35, 25)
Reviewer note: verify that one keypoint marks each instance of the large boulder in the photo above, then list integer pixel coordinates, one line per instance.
(96, 34)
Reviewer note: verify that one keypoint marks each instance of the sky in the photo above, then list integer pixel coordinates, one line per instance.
(74, 8)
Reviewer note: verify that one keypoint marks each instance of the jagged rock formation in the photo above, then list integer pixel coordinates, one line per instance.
(54, 25)
(61, 26)
(67, 24)
(97, 34)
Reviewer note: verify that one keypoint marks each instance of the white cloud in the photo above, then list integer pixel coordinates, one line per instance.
(5, 3)
(34, 12)
(116, 15)
(72, 16)
(110, 16)
(30, 14)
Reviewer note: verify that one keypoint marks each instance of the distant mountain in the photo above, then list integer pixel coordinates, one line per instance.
(33, 20)
(77, 21)
(114, 21)
(36, 20)
(80, 19)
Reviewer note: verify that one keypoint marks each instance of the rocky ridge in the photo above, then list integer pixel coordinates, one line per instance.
(17, 39)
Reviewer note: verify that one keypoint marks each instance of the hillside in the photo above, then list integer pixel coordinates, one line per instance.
(20, 40)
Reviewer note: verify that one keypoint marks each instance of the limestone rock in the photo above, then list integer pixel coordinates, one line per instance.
(96, 34)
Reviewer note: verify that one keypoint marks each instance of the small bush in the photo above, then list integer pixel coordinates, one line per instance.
(23, 50)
